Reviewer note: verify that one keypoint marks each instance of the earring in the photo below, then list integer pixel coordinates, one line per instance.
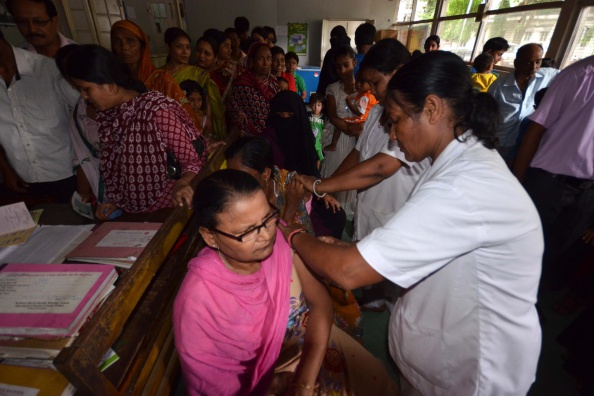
(215, 247)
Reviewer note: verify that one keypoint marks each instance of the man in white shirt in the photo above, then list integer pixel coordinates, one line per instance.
(35, 148)
(515, 93)
(38, 22)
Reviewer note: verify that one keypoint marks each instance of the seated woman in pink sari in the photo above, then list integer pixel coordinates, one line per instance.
(250, 318)
(252, 91)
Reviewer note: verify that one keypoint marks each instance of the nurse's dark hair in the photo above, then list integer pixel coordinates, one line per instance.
(217, 190)
(385, 56)
(95, 64)
(254, 151)
(446, 75)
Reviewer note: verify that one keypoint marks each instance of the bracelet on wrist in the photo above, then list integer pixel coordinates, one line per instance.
(313, 187)
(292, 235)
(303, 386)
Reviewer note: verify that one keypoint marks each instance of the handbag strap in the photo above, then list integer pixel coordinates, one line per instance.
(94, 152)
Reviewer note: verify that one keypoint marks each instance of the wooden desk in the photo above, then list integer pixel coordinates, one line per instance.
(135, 320)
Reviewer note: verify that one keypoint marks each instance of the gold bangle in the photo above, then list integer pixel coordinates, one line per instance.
(302, 385)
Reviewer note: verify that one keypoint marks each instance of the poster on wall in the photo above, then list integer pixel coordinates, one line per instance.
(297, 38)
(5, 18)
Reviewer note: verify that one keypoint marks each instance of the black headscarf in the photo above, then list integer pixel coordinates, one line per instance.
(328, 74)
(294, 136)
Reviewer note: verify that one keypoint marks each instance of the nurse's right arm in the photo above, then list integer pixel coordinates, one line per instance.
(340, 262)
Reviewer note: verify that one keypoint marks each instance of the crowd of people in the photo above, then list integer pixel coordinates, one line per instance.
(463, 185)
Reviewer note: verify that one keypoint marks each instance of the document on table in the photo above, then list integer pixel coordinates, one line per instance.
(47, 245)
(127, 238)
(44, 293)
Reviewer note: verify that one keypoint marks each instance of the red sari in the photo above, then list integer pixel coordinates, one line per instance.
(250, 97)
(135, 137)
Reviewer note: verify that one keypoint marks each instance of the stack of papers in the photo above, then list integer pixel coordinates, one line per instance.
(47, 245)
(50, 300)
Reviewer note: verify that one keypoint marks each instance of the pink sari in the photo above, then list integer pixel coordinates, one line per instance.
(229, 328)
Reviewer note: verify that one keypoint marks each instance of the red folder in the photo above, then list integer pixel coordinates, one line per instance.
(49, 299)
(117, 243)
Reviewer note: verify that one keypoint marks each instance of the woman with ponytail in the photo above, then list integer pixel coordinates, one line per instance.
(138, 131)
(466, 246)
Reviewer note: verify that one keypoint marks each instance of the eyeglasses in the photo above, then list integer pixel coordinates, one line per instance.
(36, 22)
(252, 233)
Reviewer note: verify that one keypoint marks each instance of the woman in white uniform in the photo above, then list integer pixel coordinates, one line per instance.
(467, 245)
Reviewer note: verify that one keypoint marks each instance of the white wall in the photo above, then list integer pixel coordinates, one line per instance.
(202, 14)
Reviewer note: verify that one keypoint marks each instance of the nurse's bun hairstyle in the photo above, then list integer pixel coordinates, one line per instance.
(446, 75)
(217, 190)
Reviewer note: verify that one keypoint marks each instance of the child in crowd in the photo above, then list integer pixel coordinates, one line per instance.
(337, 140)
(283, 84)
(432, 43)
(318, 121)
(278, 67)
(483, 78)
(199, 102)
(361, 101)
(291, 63)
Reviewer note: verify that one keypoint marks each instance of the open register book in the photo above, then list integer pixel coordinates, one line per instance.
(50, 300)
(115, 243)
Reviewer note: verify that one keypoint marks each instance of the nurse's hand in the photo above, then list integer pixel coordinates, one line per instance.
(331, 202)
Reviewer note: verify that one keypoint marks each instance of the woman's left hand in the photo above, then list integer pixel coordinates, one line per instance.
(104, 210)
(212, 145)
(182, 192)
(280, 383)
(294, 196)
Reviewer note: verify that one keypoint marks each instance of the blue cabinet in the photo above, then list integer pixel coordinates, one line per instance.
(311, 76)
